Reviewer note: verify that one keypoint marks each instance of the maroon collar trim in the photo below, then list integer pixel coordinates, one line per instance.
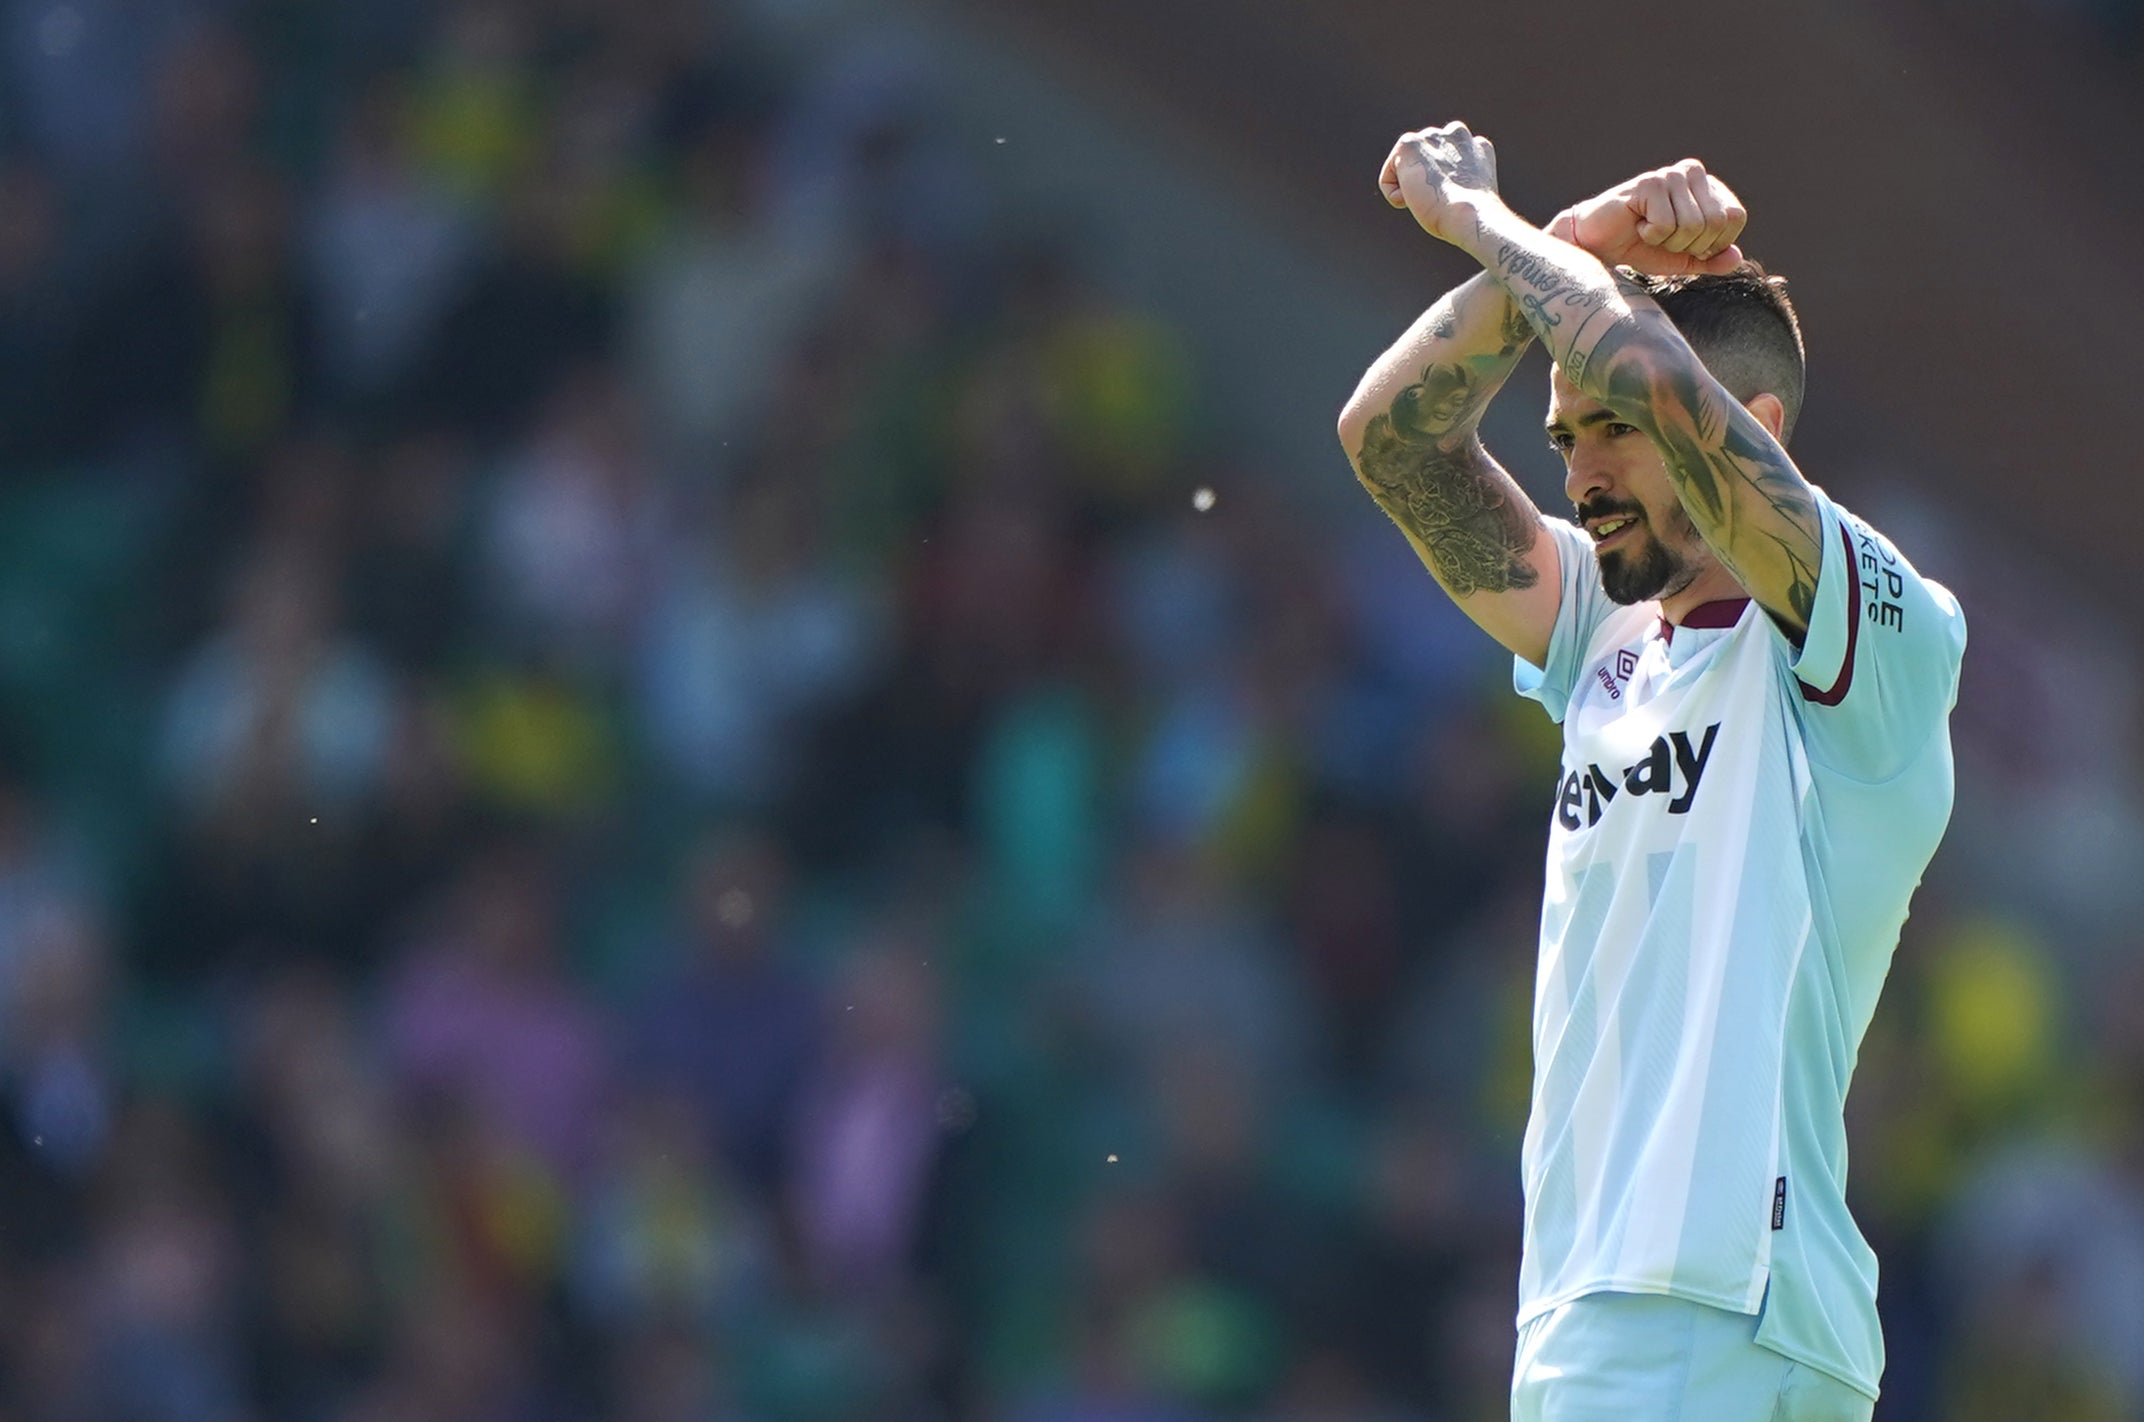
(1722, 612)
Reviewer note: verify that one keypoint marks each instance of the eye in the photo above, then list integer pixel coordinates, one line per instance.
(1617, 429)
(1560, 441)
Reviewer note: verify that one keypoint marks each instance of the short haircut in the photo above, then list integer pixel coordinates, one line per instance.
(1743, 328)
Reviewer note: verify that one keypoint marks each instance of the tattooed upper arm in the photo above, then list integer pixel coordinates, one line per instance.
(1471, 524)
(1474, 524)
(1409, 430)
(1737, 484)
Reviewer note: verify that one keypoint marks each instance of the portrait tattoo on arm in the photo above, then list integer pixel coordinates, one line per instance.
(1423, 463)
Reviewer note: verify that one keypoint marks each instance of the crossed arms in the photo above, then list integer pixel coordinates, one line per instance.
(1410, 429)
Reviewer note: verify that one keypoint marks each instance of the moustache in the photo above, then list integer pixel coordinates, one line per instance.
(1609, 508)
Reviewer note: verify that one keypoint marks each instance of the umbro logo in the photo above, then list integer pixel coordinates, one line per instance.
(1626, 662)
(1672, 766)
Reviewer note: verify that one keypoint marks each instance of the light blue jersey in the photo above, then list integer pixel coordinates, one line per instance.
(1735, 833)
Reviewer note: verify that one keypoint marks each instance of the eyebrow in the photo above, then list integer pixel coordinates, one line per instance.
(1598, 417)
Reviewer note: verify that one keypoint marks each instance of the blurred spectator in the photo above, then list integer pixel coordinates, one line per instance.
(755, 635)
(475, 102)
(385, 242)
(481, 1015)
(164, 1307)
(228, 358)
(867, 1123)
(1106, 1387)
(668, 1237)
(730, 1021)
(1183, 960)
(82, 76)
(57, 1061)
(573, 526)
(410, 583)
(1040, 800)
(322, 1154)
(729, 283)
(278, 711)
(206, 102)
(38, 878)
(39, 420)
(275, 740)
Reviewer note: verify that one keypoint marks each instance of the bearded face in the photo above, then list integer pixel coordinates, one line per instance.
(1637, 563)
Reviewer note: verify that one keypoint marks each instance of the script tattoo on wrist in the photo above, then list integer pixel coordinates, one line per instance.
(1541, 278)
(1548, 296)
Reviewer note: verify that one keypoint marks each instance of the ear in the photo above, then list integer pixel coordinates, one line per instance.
(1769, 412)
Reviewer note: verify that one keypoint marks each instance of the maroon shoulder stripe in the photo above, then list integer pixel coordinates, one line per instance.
(1837, 693)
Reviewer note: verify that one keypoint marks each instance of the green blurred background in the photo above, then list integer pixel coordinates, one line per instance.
(697, 723)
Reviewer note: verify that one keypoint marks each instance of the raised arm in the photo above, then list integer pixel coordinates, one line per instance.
(1410, 428)
(1737, 484)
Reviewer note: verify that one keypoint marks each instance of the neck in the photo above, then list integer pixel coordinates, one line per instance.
(1711, 585)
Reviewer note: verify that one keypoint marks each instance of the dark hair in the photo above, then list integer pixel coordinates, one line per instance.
(1743, 328)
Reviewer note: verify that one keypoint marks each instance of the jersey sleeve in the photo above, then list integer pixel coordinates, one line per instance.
(1579, 614)
(1878, 667)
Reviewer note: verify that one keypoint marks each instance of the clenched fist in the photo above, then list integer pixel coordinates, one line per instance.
(1668, 222)
(1438, 173)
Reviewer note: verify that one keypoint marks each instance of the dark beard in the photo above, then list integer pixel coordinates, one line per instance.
(1633, 578)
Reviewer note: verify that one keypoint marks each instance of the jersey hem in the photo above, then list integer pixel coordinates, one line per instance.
(1529, 1312)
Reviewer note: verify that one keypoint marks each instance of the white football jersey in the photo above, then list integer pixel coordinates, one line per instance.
(1734, 834)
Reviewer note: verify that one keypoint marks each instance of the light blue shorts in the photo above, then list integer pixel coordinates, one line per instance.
(1649, 1358)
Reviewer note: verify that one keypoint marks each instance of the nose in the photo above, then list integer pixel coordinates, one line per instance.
(1586, 475)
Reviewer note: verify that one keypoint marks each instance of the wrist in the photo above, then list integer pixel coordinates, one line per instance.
(1476, 219)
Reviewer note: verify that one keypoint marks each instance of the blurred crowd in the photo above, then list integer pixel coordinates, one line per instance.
(649, 770)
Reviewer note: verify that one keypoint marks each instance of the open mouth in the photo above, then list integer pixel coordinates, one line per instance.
(1608, 530)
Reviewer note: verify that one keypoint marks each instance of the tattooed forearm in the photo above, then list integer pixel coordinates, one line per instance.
(1739, 487)
(1472, 523)
(1569, 299)
(1532, 268)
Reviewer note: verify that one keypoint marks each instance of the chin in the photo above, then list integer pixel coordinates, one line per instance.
(1629, 582)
